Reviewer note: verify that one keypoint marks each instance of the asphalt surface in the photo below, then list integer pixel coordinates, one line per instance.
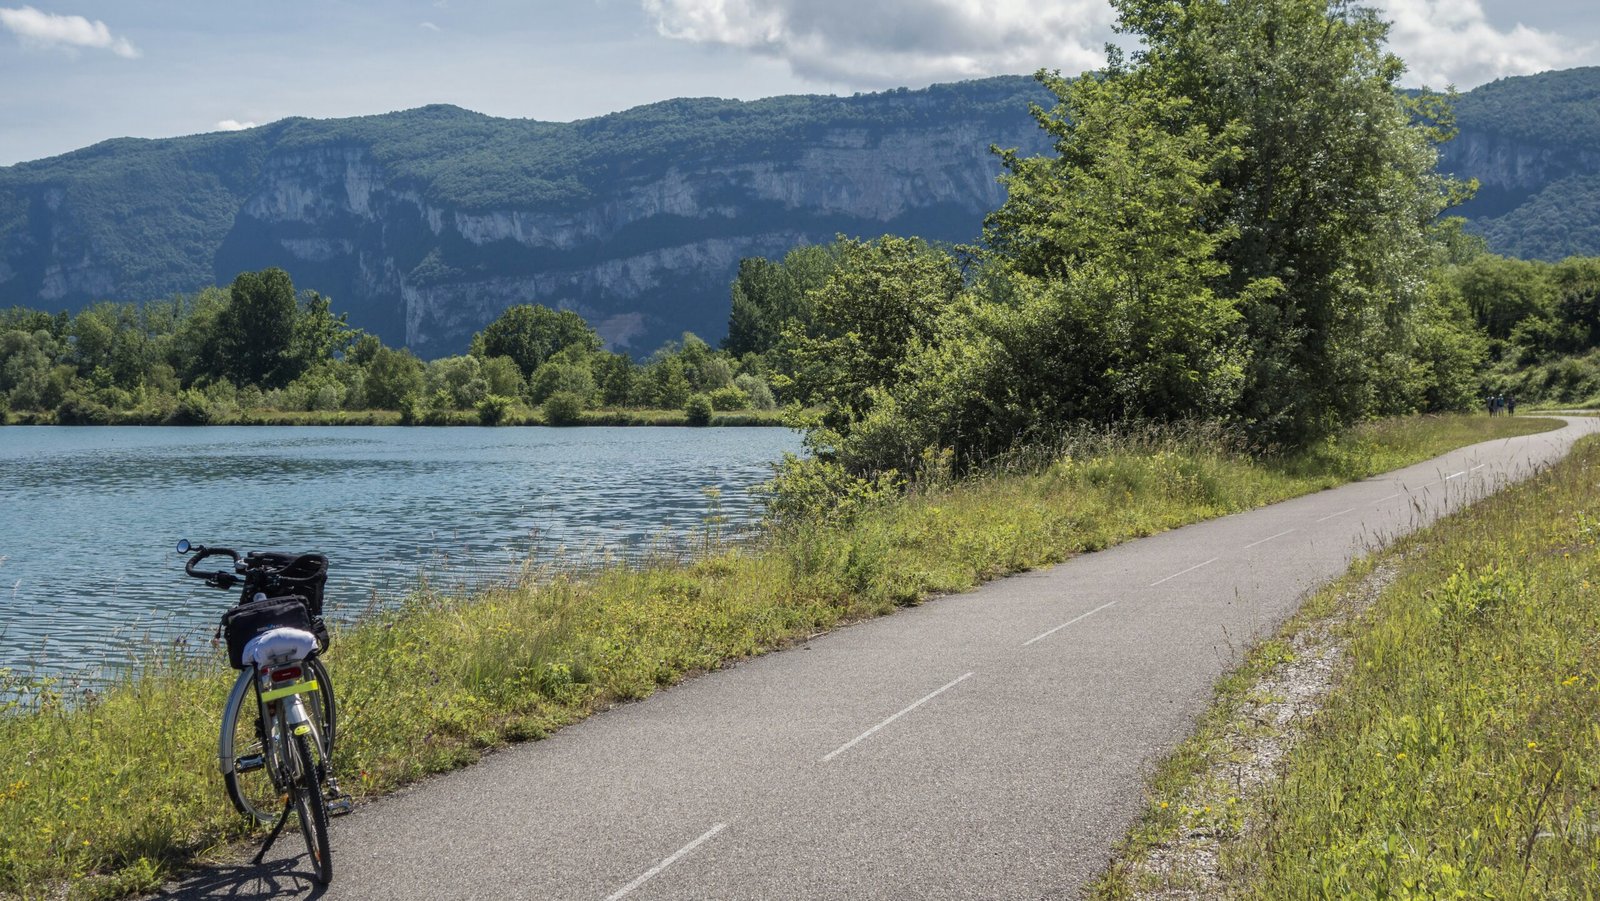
(984, 745)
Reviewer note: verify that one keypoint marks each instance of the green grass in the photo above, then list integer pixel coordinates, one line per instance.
(1458, 755)
(106, 797)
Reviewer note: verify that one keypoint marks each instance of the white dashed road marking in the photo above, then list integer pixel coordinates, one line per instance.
(925, 699)
(647, 875)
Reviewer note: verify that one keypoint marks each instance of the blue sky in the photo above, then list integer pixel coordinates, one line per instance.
(73, 72)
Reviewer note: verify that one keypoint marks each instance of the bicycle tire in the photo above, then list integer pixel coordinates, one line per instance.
(312, 811)
(246, 769)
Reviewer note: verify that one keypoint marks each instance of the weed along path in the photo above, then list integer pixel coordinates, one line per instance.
(984, 745)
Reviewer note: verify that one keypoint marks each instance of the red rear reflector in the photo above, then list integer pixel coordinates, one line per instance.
(285, 674)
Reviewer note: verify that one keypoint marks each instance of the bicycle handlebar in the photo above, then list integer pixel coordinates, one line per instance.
(219, 578)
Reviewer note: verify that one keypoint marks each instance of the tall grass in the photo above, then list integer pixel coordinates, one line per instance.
(108, 794)
(1460, 757)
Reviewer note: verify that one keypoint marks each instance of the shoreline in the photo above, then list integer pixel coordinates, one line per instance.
(455, 418)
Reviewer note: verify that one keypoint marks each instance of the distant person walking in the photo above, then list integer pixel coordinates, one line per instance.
(1488, 404)
(1511, 404)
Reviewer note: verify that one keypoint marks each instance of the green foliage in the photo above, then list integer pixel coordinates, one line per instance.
(879, 304)
(530, 334)
(392, 376)
(560, 377)
(769, 297)
(563, 408)
(257, 332)
(493, 409)
(729, 398)
(698, 409)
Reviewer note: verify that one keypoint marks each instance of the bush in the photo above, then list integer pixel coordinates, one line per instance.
(412, 410)
(755, 387)
(698, 409)
(563, 408)
(557, 378)
(194, 408)
(80, 410)
(729, 399)
(493, 408)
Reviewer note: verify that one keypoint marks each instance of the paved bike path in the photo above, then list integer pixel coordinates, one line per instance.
(990, 744)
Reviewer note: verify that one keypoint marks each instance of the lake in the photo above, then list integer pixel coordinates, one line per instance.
(89, 516)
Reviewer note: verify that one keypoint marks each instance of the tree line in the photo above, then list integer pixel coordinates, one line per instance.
(258, 344)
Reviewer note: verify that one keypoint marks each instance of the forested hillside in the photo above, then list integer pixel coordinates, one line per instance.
(424, 225)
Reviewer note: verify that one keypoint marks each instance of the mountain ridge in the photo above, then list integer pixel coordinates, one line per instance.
(425, 223)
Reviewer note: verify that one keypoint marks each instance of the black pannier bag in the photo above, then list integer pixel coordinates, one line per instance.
(246, 621)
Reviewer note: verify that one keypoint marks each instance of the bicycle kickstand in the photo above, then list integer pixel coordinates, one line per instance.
(273, 835)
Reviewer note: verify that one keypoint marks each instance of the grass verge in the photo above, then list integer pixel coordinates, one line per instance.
(1458, 753)
(107, 794)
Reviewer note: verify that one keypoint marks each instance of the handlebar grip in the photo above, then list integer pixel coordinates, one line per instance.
(212, 578)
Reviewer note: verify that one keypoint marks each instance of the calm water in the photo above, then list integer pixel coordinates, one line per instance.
(89, 516)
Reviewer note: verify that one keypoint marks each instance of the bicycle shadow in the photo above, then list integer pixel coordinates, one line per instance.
(283, 877)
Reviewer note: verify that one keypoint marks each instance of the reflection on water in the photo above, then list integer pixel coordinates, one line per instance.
(88, 516)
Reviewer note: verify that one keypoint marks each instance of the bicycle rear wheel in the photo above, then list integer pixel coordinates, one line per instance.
(242, 750)
(312, 810)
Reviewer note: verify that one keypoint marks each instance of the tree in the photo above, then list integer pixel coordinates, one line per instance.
(880, 302)
(391, 377)
(768, 297)
(257, 330)
(1332, 194)
(319, 335)
(531, 334)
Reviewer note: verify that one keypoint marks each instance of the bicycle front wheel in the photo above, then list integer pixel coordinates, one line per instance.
(312, 810)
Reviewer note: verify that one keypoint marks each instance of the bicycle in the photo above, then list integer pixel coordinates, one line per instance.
(275, 747)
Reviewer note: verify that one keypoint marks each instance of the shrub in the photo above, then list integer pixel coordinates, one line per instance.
(80, 410)
(755, 387)
(698, 409)
(193, 408)
(729, 399)
(563, 408)
(412, 410)
(493, 408)
(556, 378)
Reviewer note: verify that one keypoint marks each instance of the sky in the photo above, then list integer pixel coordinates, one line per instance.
(74, 72)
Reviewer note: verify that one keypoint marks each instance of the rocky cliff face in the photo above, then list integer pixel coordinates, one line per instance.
(644, 248)
(647, 260)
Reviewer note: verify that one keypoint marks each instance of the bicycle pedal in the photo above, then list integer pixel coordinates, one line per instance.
(339, 806)
(249, 764)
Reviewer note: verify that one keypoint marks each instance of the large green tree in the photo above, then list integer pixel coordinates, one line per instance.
(257, 330)
(1332, 193)
(531, 334)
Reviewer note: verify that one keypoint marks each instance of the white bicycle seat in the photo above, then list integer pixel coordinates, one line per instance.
(279, 646)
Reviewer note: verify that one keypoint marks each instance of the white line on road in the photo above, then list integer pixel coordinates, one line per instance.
(1478, 467)
(1455, 476)
(925, 699)
(1389, 498)
(655, 870)
(1267, 539)
(1181, 572)
(1340, 513)
(1044, 635)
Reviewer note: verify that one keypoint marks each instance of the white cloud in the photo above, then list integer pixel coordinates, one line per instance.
(1452, 42)
(234, 125)
(881, 43)
(67, 32)
(428, 26)
(895, 42)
